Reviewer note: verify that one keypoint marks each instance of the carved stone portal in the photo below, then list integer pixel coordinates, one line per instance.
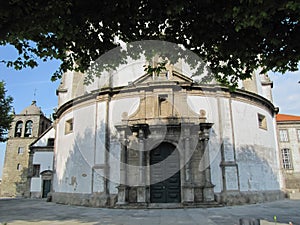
(189, 140)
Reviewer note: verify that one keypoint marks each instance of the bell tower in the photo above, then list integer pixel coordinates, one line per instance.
(25, 129)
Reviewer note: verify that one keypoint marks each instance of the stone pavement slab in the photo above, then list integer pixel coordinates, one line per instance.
(36, 211)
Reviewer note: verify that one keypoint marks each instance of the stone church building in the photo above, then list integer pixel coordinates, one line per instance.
(132, 139)
(136, 139)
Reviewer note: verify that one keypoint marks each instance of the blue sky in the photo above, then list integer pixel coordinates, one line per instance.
(286, 92)
(22, 85)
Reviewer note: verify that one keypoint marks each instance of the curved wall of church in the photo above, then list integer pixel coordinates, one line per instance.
(242, 144)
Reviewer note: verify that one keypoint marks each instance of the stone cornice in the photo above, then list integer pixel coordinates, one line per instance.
(209, 89)
(41, 148)
(289, 122)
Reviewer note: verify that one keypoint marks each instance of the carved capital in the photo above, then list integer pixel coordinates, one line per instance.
(204, 131)
(141, 129)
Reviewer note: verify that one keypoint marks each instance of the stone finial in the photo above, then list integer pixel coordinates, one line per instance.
(169, 68)
(202, 116)
(202, 113)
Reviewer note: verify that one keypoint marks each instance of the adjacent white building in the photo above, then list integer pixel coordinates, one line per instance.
(41, 164)
(288, 128)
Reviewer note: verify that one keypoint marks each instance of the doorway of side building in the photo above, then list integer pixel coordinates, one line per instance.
(46, 182)
(46, 188)
(165, 174)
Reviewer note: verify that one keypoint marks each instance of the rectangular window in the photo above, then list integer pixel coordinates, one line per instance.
(50, 142)
(286, 159)
(283, 136)
(262, 122)
(298, 134)
(69, 126)
(20, 150)
(36, 170)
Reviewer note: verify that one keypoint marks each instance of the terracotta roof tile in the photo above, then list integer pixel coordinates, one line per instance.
(285, 117)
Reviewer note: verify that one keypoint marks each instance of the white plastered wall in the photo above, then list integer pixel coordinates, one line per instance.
(45, 160)
(256, 149)
(75, 151)
(210, 105)
(116, 109)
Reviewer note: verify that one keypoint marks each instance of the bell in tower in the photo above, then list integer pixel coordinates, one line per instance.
(18, 129)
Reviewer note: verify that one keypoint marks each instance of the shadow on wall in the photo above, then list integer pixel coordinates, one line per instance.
(23, 185)
(84, 168)
(78, 165)
(258, 168)
(258, 175)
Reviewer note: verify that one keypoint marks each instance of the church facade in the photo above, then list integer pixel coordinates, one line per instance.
(136, 139)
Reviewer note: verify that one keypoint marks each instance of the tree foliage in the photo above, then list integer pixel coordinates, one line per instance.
(234, 37)
(5, 112)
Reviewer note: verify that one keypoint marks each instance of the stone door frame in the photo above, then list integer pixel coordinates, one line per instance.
(172, 174)
(46, 175)
(148, 136)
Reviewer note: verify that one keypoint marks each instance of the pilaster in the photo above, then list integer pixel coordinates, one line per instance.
(208, 190)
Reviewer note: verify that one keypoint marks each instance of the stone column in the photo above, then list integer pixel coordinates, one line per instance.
(187, 169)
(123, 188)
(141, 190)
(124, 132)
(188, 188)
(142, 130)
(208, 191)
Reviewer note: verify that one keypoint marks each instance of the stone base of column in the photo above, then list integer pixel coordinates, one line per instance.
(122, 195)
(208, 193)
(188, 194)
(141, 194)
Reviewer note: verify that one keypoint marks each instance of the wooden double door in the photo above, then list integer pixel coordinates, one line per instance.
(165, 174)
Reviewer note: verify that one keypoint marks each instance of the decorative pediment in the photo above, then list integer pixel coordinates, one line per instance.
(171, 76)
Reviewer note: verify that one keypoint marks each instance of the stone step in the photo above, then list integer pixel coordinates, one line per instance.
(169, 205)
(294, 195)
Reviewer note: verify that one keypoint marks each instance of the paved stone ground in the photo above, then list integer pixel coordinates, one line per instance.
(29, 211)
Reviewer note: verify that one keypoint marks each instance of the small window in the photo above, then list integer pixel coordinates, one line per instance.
(18, 129)
(262, 122)
(283, 135)
(286, 159)
(50, 142)
(19, 167)
(28, 129)
(69, 126)
(36, 170)
(162, 100)
(20, 150)
(298, 134)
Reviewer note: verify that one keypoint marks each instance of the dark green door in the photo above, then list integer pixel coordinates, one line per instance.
(46, 188)
(165, 174)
